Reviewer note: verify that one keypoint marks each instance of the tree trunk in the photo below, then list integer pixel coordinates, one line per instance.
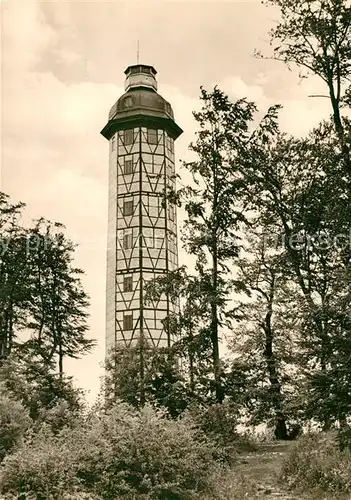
(3, 336)
(339, 126)
(342, 422)
(326, 425)
(214, 325)
(142, 370)
(191, 363)
(280, 432)
(214, 309)
(60, 361)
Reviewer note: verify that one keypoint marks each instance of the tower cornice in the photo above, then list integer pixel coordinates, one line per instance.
(142, 119)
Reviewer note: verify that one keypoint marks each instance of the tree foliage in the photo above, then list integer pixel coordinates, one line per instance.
(161, 381)
(316, 36)
(40, 290)
(14, 422)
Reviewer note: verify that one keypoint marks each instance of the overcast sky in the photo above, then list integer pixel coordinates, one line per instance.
(63, 68)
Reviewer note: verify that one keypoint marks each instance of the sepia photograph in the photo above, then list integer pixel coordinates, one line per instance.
(175, 250)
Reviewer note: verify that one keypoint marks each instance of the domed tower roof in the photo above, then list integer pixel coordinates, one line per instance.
(141, 105)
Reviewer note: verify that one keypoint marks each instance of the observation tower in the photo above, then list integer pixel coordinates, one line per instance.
(142, 225)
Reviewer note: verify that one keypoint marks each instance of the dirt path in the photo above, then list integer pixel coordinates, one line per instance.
(262, 467)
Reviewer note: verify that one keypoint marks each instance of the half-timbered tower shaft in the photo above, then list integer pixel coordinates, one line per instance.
(142, 229)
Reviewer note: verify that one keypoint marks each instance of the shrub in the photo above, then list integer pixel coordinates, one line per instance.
(59, 416)
(123, 453)
(345, 437)
(37, 388)
(41, 468)
(14, 422)
(144, 453)
(219, 423)
(228, 484)
(317, 462)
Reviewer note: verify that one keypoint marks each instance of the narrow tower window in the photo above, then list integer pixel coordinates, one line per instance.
(128, 167)
(152, 136)
(171, 212)
(128, 137)
(127, 241)
(113, 143)
(128, 284)
(128, 207)
(128, 322)
(170, 145)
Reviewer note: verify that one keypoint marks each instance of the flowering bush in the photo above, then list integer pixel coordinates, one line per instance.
(144, 453)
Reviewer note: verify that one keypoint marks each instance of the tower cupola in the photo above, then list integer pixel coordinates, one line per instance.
(140, 75)
(141, 105)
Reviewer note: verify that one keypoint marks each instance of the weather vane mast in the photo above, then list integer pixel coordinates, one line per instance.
(138, 52)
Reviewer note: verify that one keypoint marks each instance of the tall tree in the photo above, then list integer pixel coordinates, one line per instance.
(40, 290)
(266, 332)
(293, 183)
(316, 36)
(214, 211)
(14, 272)
(59, 304)
(216, 217)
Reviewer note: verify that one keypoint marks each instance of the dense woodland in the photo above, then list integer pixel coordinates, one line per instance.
(268, 221)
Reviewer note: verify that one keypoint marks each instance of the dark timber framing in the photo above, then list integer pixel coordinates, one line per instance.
(152, 228)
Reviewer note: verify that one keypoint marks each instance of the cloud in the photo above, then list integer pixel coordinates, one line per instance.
(299, 114)
(24, 35)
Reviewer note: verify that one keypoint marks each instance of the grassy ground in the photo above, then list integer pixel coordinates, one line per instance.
(262, 468)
